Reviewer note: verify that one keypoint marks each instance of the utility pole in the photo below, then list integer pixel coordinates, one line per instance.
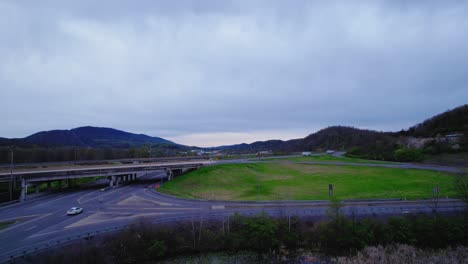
(74, 150)
(11, 173)
(258, 188)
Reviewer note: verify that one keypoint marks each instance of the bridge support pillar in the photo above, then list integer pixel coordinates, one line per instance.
(111, 181)
(170, 174)
(37, 186)
(24, 190)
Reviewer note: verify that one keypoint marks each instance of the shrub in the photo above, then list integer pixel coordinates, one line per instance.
(408, 154)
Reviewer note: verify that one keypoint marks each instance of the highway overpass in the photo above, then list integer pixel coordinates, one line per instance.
(115, 173)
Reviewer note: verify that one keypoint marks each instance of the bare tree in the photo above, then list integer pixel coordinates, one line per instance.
(461, 185)
(435, 198)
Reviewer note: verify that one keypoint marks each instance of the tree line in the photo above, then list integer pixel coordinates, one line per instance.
(59, 154)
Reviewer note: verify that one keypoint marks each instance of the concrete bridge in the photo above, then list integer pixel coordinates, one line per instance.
(116, 174)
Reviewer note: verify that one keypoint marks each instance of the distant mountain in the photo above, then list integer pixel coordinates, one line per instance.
(254, 147)
(352, 139)
(96, 137)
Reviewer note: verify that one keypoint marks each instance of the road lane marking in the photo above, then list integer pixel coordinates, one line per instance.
(30, 228)
(102, 217)
(61, 225)
(27, 222)
(68, 196)
(120, 197)
(152, 208)
(81, 197)
(136, 200)
(107, 193)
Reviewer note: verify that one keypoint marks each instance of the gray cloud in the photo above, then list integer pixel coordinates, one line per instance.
(181, 68)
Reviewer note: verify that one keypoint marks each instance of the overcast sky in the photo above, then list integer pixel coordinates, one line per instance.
(215, 72)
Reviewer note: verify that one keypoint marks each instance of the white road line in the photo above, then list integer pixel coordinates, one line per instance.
(41, 234)
(150, 208)
(61, 225)
(111, 192)
(30, 228)
(22, 224)
(68, 196)
(79, 199)
(121, 197)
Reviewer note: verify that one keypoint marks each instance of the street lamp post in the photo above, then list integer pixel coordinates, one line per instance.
(11, 173)
(258, 188)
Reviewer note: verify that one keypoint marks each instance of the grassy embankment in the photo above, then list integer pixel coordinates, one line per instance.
(291, 181)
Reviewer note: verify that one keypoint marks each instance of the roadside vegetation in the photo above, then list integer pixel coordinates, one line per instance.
(291, 181)
(6, 224)
(278, 240)
(73, 183)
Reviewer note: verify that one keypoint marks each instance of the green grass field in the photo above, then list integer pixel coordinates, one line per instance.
(291, 181)
(328, 158)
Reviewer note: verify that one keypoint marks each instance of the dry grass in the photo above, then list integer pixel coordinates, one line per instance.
(404, 254)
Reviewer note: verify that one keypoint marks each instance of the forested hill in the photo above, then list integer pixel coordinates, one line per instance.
(342, 137)
(449, 122)
(335, 137)
(369, 143)
(96, 137)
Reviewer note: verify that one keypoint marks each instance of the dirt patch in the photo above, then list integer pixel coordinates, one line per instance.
(104, 217)
(316, 169)
(139, 201)
(218, 195)
(276, 177)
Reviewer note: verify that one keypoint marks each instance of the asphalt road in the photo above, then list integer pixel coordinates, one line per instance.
(43, 221)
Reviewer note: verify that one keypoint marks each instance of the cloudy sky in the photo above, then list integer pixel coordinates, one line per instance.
(219, 72)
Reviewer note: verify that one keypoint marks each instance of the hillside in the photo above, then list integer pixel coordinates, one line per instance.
(373, 144)
(449, 122)
(96, 137)
(335, 137)
(342, 137)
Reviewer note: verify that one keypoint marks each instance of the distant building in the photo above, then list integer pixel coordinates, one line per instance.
(454, 138)
(264, 153)
(306, 153)
(330, 151)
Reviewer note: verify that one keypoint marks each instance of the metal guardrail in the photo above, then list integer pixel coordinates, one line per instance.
(56, 242)
(63, 240)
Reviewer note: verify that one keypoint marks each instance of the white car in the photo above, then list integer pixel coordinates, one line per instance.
(74, 210)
